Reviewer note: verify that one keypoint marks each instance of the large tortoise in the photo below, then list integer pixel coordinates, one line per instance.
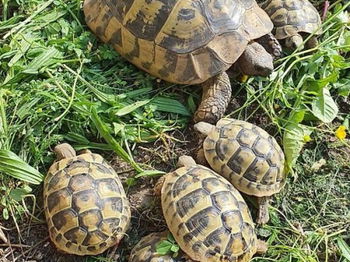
(85, 204)
(207, 216)
(294, 20)
(189, 42)
(247, 156)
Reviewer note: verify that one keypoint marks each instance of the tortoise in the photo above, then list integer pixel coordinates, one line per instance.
(189, 42)
(85, 204)
(247, 156)
(146, 250)
(207, 216)
(294, 21)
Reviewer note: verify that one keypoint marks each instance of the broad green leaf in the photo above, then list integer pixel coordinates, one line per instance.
(17, 194)
(297, 116)
(317, 85)
(24, 45)
(12, 165)
(344, 248)
(129, 108)
(293, 142)
(324, 107)
(170, 105)
(164, 247)
(175, 248)
(45, 59)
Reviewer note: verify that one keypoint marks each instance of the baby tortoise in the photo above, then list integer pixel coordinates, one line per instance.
(247, 156)
(207, 216)
(294, 21)
(146, 250)
(85, 204)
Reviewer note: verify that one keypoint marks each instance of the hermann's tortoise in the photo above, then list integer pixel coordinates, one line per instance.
(247, 156)
(189, 42)
(85, 204)
(146, 250)
(207, 216)
(293, 21)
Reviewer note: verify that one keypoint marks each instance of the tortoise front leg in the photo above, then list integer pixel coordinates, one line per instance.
(271, 45)
(216, 96)
(263, 211)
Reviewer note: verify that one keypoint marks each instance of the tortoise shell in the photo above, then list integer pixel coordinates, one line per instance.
(247, 156)
(207, 216)
(146, 250)
(85, 205)
(290, 16)
(179, 41)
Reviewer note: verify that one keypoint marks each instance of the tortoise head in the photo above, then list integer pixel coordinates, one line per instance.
(295, 41)
(186, 161)
(255, 61)
(64, 151)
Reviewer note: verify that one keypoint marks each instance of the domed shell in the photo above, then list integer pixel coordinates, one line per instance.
(85, 205)
(247, 156)
(207, 216)
(179, 41)
(146, 250)
(290, 16)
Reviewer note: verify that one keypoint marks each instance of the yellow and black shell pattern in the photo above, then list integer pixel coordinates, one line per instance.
(207, 216)
(179, 41)
(146, 250)
(247, 156)
(290, 16)
(85, 205)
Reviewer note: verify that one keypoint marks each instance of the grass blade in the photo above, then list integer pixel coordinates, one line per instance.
(117, 148)
(12, 165)
(129, 108)
(344, 248)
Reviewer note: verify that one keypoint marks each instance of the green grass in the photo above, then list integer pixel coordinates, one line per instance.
(59, 83)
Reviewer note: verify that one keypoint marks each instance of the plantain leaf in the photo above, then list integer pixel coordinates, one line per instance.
(129, 108)
(170, 105)
(12, 165)
(293, 141)
(324, 107)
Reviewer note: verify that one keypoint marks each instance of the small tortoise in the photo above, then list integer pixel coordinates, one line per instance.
(207, 216)
(146, 250)
(247, 156)
(294, 20)
(85, 204)
(189, 42)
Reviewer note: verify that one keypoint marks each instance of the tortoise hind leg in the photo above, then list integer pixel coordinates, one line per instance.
(216, 96)
(263, 211)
